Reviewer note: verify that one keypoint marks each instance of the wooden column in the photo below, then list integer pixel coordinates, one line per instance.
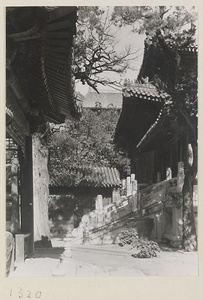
(15, 226)
(40, 187)
(27, 191)
(158, 176)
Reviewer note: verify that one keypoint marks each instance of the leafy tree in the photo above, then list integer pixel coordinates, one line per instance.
(171, 30)
(79, 146)
(95, 51)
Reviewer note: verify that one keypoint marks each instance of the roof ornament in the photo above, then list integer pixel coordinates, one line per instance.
(145, 80)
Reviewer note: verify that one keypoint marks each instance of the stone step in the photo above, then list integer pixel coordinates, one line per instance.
(108, 232)
(110, 227)
(112, 250)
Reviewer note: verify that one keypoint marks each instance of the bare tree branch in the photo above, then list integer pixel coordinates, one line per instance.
(95, 50)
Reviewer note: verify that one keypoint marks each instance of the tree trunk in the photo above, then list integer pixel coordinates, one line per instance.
(189, 230)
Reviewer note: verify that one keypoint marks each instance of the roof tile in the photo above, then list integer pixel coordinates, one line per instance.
(100, 177)
(144, 90)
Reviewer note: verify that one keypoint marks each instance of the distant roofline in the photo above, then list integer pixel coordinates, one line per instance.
(104, 91)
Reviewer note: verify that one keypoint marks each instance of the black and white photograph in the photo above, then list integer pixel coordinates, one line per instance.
(101, 157)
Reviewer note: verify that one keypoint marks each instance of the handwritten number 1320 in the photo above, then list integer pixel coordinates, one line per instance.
(28, 294)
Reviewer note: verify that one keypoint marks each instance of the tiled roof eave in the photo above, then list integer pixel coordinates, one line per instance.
(46, 49)
(63, 97)
(144, 91)
(189, 48)
(104, 177)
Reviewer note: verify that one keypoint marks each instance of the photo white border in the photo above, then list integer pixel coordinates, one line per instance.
(108, 288)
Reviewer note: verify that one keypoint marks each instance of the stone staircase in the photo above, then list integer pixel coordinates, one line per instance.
(108, 234)
(102, 225)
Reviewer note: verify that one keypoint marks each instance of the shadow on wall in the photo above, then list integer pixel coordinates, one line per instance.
(43, 243)
(145, 227)
(65, 213)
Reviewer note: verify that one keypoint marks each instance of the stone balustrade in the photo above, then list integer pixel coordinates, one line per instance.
(150, 201)
(157, 192)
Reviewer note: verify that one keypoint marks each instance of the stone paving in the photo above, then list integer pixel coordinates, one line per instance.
(106, 260)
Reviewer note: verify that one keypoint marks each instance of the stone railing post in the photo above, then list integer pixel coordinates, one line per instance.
(123, 187)
(86, 236)
(134, 194)
(129, 186)
(132, 177)
(116, 196)
(99, 203)
(99, 210)
(168, 173)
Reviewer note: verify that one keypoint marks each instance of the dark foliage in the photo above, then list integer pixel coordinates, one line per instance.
(79, 146)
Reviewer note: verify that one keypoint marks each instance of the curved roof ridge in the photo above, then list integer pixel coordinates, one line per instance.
(161, 114)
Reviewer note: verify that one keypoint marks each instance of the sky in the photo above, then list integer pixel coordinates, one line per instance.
(124, 37)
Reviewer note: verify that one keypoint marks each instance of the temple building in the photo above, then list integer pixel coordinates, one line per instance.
(40, 88)
(106, 99)
(158, 136)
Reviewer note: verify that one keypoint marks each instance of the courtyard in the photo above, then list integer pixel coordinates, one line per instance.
(106, 260)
